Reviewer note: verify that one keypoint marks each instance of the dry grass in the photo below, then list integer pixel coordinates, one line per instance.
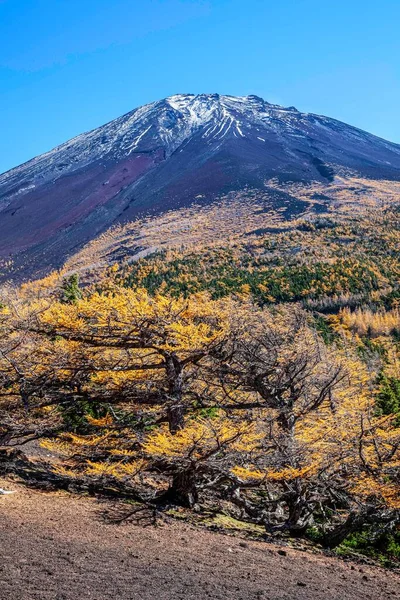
(233, 218)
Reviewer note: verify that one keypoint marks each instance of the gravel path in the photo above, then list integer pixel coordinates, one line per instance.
(56, 547)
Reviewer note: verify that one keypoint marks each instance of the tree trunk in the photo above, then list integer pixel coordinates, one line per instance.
(176, 409)
(353, 523)
(176, 417)
(183, 490)
(297, 521)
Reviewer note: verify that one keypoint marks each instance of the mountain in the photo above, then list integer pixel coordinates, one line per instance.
(168, 154)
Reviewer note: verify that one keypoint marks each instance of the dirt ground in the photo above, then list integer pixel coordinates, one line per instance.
(57, 547)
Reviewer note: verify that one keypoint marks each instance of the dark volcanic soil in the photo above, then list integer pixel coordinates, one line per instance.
(164, 156)
(56, 547)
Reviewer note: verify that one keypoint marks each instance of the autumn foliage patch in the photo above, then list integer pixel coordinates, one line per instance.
(213, 403)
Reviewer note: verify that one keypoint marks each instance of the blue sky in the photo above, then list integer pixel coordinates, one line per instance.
(69, 66)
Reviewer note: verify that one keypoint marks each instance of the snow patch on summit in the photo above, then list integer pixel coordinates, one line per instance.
(169, 124)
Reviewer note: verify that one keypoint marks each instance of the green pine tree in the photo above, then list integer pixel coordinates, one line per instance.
(388, 398)
(70, 291)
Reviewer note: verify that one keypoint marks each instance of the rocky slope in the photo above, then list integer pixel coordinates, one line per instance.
(166, 155)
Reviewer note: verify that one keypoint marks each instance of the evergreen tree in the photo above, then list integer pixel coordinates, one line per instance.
(70, 291)
(388, 399)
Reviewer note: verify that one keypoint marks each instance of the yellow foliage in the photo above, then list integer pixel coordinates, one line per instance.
(101, 422)
(247, 474)
(201, 436)
(118, 470)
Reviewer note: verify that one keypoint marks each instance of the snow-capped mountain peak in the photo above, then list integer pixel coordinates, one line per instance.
(166, 122)
(166, 154)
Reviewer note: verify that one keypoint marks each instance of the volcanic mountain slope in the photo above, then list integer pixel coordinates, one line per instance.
(167, 155)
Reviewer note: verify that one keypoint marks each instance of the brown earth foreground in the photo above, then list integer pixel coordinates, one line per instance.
(56, 546)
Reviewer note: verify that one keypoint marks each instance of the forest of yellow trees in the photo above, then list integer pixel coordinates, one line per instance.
(271, 414)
